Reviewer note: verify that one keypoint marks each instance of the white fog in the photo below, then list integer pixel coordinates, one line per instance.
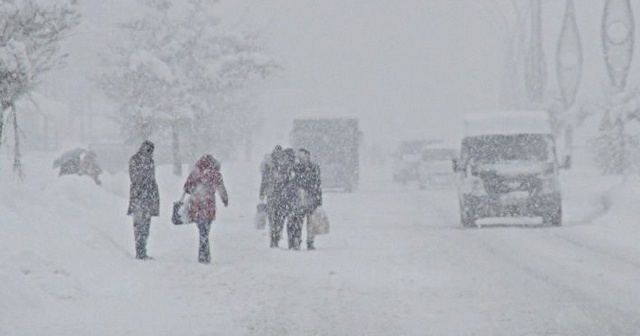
(468, 188)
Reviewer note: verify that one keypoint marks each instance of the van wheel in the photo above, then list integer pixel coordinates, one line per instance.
(467, 219)
(554, 218)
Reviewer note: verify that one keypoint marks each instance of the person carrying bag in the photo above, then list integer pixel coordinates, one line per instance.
(202, 184)
(309, 182)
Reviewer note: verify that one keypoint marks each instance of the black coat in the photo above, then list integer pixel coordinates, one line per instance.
(308, 179)
(144, 197)
(278, 183)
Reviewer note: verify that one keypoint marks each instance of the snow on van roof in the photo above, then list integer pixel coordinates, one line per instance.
(508, 122)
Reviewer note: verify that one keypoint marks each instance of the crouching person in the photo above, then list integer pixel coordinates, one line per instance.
(202, 184)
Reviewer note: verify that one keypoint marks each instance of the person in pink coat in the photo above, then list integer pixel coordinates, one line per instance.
(202, 184)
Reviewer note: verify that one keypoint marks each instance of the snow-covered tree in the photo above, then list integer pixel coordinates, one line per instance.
(30, 36)
(616, 149)
(175, 70)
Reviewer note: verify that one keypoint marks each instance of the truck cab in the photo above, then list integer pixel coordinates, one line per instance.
(508, 167)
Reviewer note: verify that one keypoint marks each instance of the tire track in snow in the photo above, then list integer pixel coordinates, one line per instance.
(597, 249)
(598, 299)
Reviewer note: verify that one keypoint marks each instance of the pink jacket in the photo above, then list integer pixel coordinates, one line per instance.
(202, 184)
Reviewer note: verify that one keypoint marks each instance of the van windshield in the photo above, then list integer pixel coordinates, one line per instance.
(490, 149)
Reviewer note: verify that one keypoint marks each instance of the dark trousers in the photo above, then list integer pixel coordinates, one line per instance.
(310, 231)
(204, 252)
(141, 226)
(294, 230)
(277, 216)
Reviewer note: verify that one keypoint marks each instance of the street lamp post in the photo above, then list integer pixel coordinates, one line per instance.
(618, 35)
(569, 57)
(618, 41)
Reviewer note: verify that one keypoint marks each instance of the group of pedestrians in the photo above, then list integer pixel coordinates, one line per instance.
(144, 201)
(291, 187)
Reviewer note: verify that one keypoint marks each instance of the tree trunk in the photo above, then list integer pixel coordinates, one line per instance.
(177, 160)
(1, 123)
(4, 106)
(17, 162)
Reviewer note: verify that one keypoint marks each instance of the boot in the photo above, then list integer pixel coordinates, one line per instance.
(204, 258)
(294, 244)
(310, 246)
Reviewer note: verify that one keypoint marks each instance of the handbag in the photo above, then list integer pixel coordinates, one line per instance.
(180, 213)
(319, 221)
(260, 220)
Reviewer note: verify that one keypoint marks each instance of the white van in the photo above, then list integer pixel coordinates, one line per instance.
(508, 167)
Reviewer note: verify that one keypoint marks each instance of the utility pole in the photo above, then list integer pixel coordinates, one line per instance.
(535, 75)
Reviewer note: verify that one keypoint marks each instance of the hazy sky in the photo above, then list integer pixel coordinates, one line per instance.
(406, 68)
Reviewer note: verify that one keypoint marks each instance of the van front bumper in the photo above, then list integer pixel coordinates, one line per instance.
(512, 204)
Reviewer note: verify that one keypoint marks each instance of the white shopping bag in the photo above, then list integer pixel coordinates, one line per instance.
(260, 220)
(319, 221)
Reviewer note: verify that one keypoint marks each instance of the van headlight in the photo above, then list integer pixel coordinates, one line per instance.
(475, 186)
(549, 184)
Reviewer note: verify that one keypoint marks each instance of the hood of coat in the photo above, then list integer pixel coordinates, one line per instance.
(207, 162)
(147, 148)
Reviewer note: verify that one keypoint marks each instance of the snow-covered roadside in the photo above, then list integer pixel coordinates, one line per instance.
(610, 215)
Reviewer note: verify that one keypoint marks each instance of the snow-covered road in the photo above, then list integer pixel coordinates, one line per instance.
(395, 263)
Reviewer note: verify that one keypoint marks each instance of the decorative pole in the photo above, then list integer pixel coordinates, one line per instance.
(618, 41)
(618, 36)
(569, 65)
(569, 57)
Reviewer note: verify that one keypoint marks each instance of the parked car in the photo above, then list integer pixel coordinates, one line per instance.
(508, 167)
(435, 166)
(406, 160)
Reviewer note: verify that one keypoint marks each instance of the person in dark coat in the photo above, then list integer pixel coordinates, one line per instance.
(202, 184)
(266, 168)
(308, 183)
(276, 188)
(144, 198)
